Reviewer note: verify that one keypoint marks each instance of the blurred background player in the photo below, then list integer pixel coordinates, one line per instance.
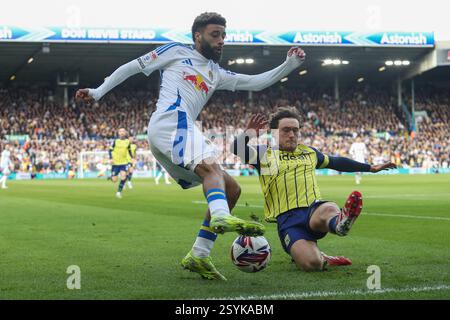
(118, 154)
(131, 161)
(161, 172)
(5, 166)
(290, 189)
(190, 77)
(102, 166)
(359, 153)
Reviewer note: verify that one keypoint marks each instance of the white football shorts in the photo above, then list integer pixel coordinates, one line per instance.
(179, 145)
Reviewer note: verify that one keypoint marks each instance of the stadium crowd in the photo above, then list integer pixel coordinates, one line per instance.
(48, 136)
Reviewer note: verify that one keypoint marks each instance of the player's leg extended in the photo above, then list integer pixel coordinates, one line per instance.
(324, 219)
(214, 188)
(206, 236)
(308, 257)
(198, 260)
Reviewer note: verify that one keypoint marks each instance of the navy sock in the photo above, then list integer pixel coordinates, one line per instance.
(121, 184)
(332, 224)
(129, 176)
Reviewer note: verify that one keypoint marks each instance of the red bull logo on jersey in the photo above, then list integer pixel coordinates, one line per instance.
(198, 82)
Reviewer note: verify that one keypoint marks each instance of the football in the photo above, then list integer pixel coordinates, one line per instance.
(250, 254)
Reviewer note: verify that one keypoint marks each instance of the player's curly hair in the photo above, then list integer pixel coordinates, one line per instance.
(282, 113)
(207, 18)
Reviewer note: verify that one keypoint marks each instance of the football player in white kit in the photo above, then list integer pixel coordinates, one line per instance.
(5, 166)
(359, 153)
(189, 77)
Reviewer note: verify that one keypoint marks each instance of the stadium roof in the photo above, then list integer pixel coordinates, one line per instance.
(93, 62)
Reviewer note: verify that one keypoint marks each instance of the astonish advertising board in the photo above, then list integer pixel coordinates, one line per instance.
(253, 37)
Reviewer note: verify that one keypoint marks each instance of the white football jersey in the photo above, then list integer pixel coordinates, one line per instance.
(5, 160)
(188, 79)
(358, 151)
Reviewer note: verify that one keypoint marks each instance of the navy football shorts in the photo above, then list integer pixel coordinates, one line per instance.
(115, 170)
(293, 225)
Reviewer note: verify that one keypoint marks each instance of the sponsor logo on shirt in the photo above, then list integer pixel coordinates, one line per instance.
(197, 81)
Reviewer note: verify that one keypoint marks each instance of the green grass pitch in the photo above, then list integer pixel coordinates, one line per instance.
(132, 248)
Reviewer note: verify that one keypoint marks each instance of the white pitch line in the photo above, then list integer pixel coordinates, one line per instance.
(325, 294)
(364, 213)
(406, 216)
(413, 195)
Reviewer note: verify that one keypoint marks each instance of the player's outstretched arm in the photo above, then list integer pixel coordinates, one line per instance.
(118, 76)
(348, 165)
(344, 164)
(149, 62)
(233, 81)
(381, 167)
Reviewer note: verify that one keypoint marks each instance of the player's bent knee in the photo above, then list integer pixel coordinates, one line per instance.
(306, 256)
(329, 207)
(325, 211)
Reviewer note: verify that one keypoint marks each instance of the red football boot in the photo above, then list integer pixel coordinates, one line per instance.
(349, 213)
(336, 261)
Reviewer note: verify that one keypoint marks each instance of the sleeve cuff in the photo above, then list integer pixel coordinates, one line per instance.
(326, 161)
(94, 94)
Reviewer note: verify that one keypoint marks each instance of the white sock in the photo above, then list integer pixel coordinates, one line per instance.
(202, 247)
(204, 242)
(3, 180)
(217, 202)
